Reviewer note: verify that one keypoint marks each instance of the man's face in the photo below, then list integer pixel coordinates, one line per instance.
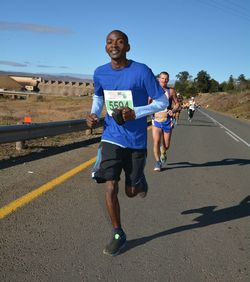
(116, 46)
(163, 80)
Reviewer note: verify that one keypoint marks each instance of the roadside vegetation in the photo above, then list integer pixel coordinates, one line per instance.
(230, 97)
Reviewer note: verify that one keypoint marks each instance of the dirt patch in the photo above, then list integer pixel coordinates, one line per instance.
(43, 108)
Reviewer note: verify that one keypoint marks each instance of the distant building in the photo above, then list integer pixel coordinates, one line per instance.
(47, 86)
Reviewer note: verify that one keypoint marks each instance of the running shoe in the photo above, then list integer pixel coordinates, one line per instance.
(144, 187)
(158, 166)
(117, 242)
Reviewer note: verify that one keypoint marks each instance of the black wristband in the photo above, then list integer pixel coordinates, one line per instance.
(117, 116)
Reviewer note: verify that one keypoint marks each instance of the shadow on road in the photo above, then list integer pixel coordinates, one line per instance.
(46, 152)
(209, 216)
(196, 124)
(223, 162)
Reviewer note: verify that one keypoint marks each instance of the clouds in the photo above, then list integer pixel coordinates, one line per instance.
(31, 27)
(15, 27)
(26, 64)
(12, 64)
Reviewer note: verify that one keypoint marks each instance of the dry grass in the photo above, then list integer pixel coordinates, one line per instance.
(57, 108)
(44, 109)
(233, 104)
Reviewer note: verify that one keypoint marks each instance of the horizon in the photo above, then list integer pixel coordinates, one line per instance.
(76, 76)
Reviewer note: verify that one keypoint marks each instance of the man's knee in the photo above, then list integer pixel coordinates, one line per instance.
(111, 188)
(167, 146)
(130, 191)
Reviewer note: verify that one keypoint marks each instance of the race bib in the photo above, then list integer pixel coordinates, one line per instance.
(118, 99)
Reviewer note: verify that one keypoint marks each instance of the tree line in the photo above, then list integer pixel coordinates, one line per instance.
(203, 83)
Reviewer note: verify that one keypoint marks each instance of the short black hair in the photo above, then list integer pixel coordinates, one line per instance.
(163, 72)
(124, 35)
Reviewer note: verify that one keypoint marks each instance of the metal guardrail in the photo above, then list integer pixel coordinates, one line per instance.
(22, 132)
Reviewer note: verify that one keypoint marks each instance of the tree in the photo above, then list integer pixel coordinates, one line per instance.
(242, 82)
(230, 83)
(214, 86)
(223, 86)
(202, 81)
(183, 76)
(183, 81)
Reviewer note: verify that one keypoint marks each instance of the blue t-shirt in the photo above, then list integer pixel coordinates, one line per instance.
(138, 78)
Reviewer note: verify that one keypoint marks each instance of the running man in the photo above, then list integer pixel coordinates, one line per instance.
(191, 108)
(125, 87)
(178, 111)
(162, 123)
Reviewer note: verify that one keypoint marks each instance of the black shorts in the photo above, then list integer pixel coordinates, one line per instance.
(112, 159)
(190, 113)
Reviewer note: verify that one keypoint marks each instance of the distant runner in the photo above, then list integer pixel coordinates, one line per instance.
(191, 109)
(178, 111)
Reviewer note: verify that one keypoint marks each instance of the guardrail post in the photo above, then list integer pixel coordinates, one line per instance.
(20, 145)
(89, 131)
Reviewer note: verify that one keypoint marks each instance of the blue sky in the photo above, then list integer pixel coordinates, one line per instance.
(61, 36)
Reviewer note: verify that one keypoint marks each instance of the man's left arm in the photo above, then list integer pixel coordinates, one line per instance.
(157, 105)
(176, 106)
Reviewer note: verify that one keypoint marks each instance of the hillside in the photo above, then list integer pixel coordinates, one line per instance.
(234, 104)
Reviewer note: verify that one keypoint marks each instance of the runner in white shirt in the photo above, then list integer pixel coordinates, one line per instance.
(191, 109)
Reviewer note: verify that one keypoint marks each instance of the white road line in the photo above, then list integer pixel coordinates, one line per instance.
(227, 130)
(232, 136)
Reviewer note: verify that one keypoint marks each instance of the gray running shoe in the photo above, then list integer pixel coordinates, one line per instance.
(117, 242)
(158, 166)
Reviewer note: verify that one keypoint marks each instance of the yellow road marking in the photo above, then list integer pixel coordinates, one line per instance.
(25, 199)
(11, 207)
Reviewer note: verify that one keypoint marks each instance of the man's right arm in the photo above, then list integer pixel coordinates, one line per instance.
(96, 110)
(97, 105)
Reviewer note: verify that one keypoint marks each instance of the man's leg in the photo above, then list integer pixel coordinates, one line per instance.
(112, 203)
(136, 183)
(118, 239)
(157, 133)
(140, 189)
(166, 144)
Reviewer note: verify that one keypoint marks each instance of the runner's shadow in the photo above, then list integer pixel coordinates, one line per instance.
(223, 162)
(197, 124)
(209, 216)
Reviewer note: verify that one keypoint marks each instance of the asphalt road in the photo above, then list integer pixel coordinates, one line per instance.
(193, 226)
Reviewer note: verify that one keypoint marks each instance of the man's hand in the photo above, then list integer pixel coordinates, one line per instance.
(128, 114)
(170, 113)
(121, 115)
(92, 120)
